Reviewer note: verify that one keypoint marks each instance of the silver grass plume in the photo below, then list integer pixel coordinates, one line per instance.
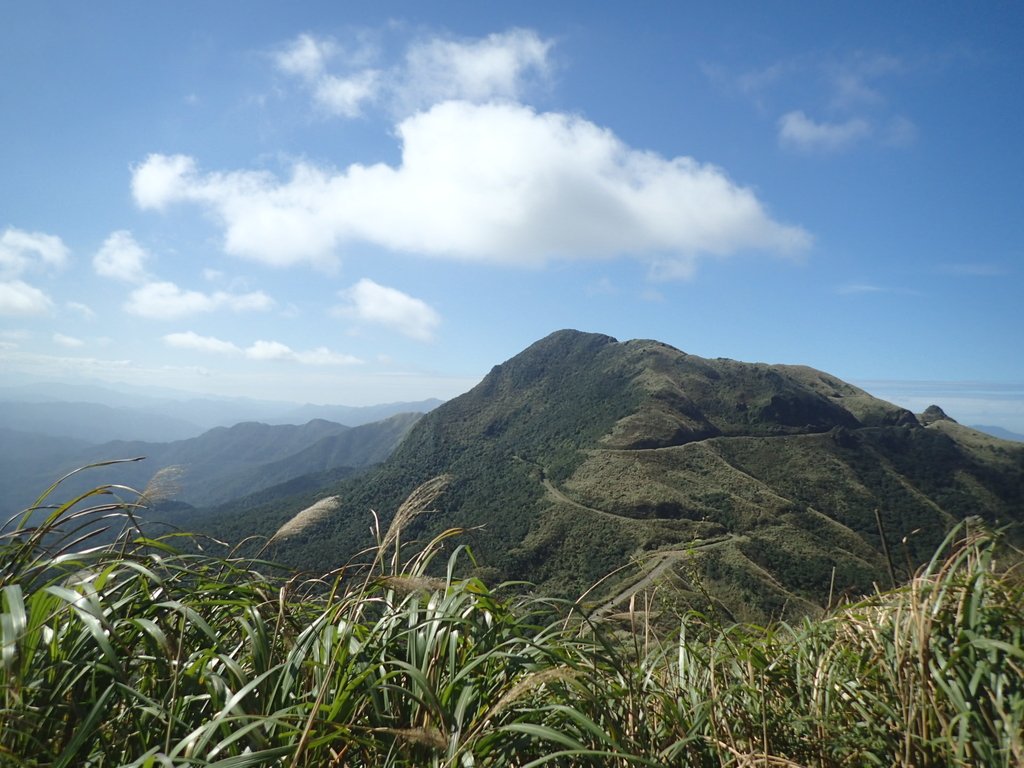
(419, 501)
(308, 517)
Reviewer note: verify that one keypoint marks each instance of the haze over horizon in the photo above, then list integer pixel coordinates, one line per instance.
(356, 206)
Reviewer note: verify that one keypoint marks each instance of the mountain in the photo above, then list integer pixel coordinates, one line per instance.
(755, 490)
(219, 465)
(999, 432)
(353, 416)
(98, 414)
(93, 422)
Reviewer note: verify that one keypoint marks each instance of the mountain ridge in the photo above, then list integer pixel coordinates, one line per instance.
(752, 486)
(221, 464)
(98, 414)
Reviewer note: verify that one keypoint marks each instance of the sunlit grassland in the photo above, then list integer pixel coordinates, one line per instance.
(146, 652)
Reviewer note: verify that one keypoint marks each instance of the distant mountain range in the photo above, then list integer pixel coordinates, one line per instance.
(754, 490)
(97, 415)
(1005, 434)
(221, 464)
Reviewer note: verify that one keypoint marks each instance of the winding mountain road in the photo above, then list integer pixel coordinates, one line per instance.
(660, 560)
(663, 560)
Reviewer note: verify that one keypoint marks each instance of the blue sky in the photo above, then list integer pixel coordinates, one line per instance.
(336, 203)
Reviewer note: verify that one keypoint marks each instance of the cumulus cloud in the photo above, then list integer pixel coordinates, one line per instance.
(166, 301)
(259, 350)
(161, 179)
(492, 182)
(798, 131)
(374, 303)
(21, 250)
(121, 258)
(20, 298)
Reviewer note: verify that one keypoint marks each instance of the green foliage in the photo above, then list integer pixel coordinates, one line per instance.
(136, 654)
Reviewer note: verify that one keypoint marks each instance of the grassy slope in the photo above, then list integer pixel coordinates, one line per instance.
(137, 655)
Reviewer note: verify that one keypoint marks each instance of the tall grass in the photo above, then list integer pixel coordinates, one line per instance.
(136, 653)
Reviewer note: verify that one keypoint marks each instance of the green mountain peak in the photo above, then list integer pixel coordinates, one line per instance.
(752, 489)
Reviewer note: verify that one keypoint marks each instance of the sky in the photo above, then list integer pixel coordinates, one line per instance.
(357, 203)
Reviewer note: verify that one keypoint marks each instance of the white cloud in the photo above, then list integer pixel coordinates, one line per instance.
(270, 222)
(121, 258)
(275, 350)
(20, 250)
(192, 340)
(852, 91)
(161, 179)
(855, 289)
(52, 366)
(259, 350)
(253, 301)
(753, 84)
(374, 303)
(852, 80)
(306, 56)
(345, 96)
(798, 131)
(486, 183)
(20, 298)
(67, 341)
(166, 301)
(497, 66)
(324, 356)
(852, 289)
(83, 309)
(849, 86)
(269, 350)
